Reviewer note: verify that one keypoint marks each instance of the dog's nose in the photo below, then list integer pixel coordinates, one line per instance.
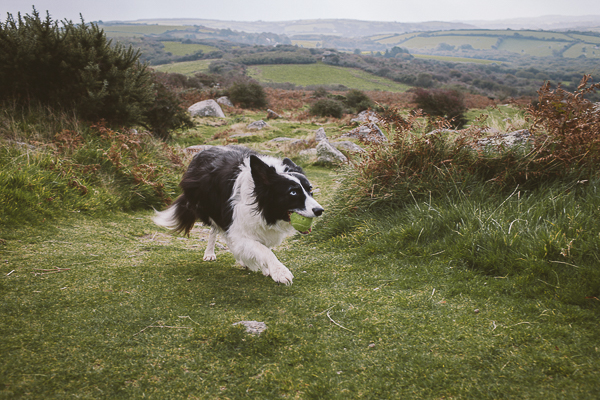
(318, 211)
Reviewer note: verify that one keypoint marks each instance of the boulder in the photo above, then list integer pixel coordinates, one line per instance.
(348, 146)
(369, 132)
(320, 135)
(328, 154)
(260, 124)
(206, 108)
(272, 114)
(508, 139)
(366, 116)
(224, 100)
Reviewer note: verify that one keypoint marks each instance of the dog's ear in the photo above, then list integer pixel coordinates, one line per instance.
(291, 167)
(261, 172)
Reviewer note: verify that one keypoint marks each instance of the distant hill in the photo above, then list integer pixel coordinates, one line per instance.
(548, 23)
(358, 28)
(336, 27)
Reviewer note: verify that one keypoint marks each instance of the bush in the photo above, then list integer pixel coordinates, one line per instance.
(448, 104)
(247, 95)
(358, 101)
(327, 108)
(72, 66)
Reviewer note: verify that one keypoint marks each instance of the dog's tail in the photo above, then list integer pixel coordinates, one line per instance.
(178, 217)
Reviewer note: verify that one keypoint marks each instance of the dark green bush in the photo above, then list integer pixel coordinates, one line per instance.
(327, 108)
(247, 94)
(358, 101)
(75, 67)
(72, 66)
(448, 104)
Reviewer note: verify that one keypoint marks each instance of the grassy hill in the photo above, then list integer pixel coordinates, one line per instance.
(322, 74)
(524, 42)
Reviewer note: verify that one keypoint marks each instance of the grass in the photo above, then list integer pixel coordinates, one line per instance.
(469, 294)
(183, 49)
(322, 74)
(457, 59)
(186, 67)
(113, 307)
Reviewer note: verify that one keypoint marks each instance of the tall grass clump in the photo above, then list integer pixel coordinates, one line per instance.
(52, 165)
(527, 213)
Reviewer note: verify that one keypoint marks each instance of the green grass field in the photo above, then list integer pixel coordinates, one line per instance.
(456, 59)
(187, 67)
(183, 49)
(322, 74)
(472, 292)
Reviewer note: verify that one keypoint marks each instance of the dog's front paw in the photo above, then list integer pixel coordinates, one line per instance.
(209, 257)
(281, 275)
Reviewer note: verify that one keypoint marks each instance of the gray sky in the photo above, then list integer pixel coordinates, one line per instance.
(282, 10)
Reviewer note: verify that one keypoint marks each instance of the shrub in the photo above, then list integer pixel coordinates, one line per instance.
(358, 101)
(448, 104)
(247, 95)
(327, 108)
(72, 66)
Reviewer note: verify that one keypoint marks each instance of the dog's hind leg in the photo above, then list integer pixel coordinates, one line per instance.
(209, 253)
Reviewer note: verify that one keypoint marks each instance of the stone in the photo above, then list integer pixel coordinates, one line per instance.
(206, 108)
(224, 100)
(253, 327)
(320, 135)
(272, 114)
(508, 139)
(260, 124)
(348, 146)
(369, 132)
(328, 154)
(366, 116)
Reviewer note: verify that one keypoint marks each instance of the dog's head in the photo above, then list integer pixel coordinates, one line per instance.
(279, 194)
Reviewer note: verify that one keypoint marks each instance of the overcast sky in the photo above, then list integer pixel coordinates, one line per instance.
(285, 10)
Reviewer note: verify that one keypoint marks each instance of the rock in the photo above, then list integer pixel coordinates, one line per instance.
(348, 146)
(328, 154)
(508, 139)
(308, 153)
(225, 101)
(366, 116)
(369, 132)
(320, 135)
(253, 327)
(206, 108)
(281, 139)
(260, 124)
(272, 114)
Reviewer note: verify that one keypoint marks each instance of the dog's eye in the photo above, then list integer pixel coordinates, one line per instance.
(293, 192)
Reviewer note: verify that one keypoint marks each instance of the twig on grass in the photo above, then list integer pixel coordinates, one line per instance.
(49, 271)
(343, 327)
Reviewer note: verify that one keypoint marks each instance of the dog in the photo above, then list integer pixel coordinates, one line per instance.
(246, 197)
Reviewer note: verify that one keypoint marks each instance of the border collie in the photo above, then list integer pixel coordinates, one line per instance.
(246, 197)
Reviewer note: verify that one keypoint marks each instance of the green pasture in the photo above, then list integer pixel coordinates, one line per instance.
(583, 49)
(431, 42)
(184, 49)
(186, 68)
(456, 59)
(531, 47)
(322, 74)
(137, 30)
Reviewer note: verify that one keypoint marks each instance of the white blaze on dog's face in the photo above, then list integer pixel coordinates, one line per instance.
(309, 207)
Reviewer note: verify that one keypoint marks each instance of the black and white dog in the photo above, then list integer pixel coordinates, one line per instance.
(248, 198)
